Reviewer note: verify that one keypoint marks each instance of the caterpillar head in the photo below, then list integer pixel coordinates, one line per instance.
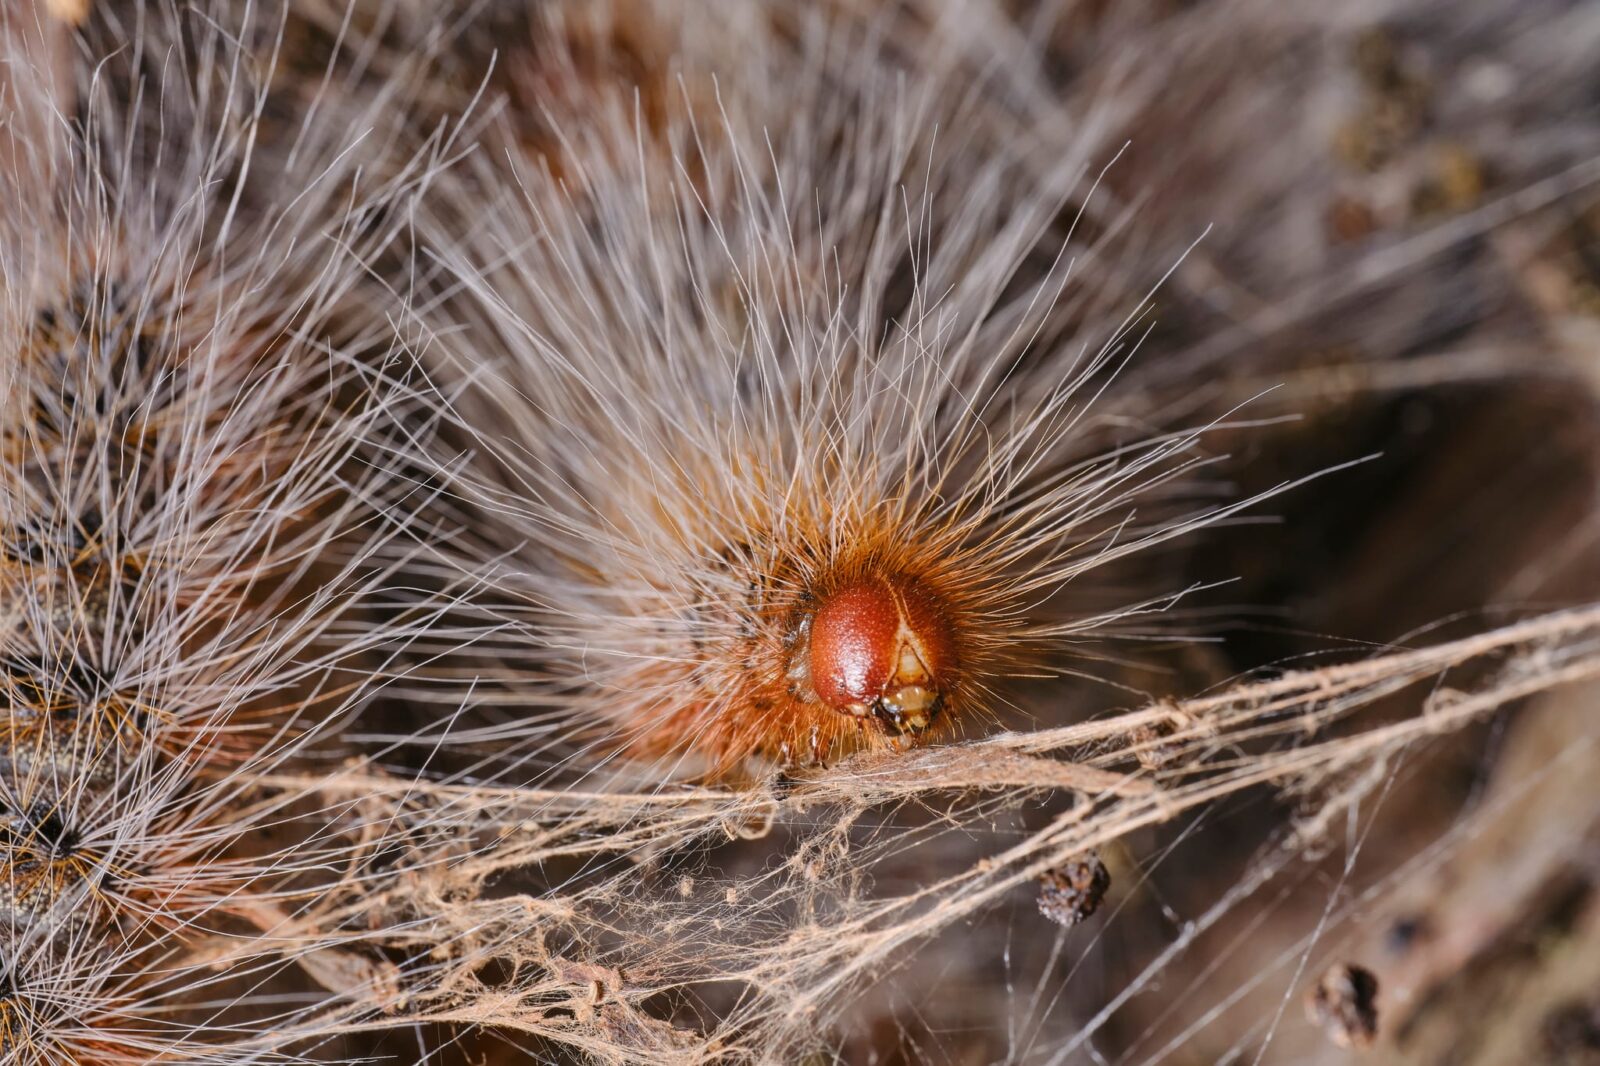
(882, 647)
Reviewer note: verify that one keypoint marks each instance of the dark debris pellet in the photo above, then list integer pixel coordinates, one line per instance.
(1344, 1003)
(1072, 892)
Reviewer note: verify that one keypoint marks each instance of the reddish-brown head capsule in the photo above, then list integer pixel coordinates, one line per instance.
(883, 648)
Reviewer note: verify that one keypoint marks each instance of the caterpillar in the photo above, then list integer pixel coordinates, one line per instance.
(202, 429)
(800, 437)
